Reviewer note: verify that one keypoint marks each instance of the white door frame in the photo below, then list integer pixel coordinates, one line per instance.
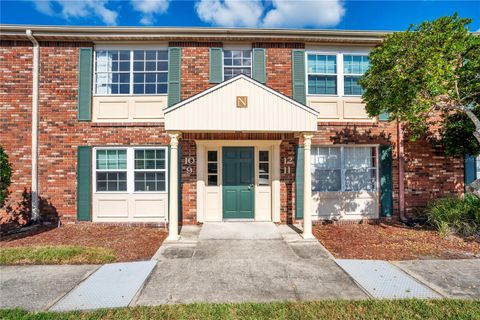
(209, 198)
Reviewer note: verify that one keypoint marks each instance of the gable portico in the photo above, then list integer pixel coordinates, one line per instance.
(239, 178)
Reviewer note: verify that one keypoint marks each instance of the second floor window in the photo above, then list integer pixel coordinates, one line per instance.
(236, 62)
(131, 72)
(322, 74)
(353, 68)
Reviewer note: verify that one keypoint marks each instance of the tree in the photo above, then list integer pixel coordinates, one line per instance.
(5, 175)
(429, 76)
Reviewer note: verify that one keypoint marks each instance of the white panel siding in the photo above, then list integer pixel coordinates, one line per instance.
(217, 111)
(344, 205)
(129, 108)
(332, 109)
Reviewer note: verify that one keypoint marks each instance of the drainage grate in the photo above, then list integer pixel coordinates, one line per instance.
(111, 286)
(385, 281)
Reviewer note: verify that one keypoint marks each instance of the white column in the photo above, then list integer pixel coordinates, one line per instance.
(276, 183)
(307, 188)
(173, 191)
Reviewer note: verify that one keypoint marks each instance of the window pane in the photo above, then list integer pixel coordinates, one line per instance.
(263, 180)
(326, 180)
(150, 181)
(212, 167)
(212, 155)
(325, 64)
(352, 87)
(111, 159)
(354, 64)
(326, 157)
(111, 181)
(263, 155)
(263, 167)
(236, 62)
(322, 84)
(212, 180)
(360, 179)
(358, 157)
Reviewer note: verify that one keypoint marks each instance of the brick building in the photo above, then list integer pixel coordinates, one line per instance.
(155, 125)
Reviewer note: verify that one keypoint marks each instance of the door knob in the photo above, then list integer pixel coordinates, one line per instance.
(250, 187)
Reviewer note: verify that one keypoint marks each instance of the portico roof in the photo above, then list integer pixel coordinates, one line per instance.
(260, 109)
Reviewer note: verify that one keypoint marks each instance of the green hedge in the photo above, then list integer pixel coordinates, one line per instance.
(455, 215)
(5, 175)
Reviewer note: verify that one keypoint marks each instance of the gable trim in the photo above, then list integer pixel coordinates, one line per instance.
(227, 82)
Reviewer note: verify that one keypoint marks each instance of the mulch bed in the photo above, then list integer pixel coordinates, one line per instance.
(392, 242)
(130, 243)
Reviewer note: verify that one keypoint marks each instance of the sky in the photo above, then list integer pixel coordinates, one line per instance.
(320, 14)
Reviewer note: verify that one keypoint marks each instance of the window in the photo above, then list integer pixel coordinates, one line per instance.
(236, 62)
(343, 169)
(322, 74)
(263, 168)
(354, 67)
(212, 168)
(111, 170)
(478, 167)
(131, 71)
(150, 170)
(131, 169)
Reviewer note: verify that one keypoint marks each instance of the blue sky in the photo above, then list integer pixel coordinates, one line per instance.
(328, 14)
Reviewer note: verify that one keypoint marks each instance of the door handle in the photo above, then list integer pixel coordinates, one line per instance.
(250, 187)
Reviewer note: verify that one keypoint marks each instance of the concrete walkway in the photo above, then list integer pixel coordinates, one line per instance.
(238, 261)
(229, 262)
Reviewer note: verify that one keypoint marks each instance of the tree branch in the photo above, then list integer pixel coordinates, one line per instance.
(469, 113)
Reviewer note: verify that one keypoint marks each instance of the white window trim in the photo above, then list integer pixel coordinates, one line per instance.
(240, 48)
(342, 166)
(477, 166)
(340, 70)
(130, 169)
(131, 48)
(350, 74)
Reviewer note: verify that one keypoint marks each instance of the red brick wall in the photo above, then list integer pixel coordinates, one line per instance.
(15, 114)
(428, 172)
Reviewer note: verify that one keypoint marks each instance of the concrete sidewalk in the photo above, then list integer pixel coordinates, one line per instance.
(260, 262)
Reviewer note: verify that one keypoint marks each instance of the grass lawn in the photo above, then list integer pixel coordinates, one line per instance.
(371, 309)
(392, 242)
(81, 243)
(56, 255)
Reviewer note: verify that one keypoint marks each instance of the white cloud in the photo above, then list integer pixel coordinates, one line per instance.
(230, 13)
(287, 13)
(68, 9)
(274, 13)
(148, 9)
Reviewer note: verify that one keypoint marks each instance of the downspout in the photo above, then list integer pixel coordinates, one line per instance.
(401, 172)
(35, 85)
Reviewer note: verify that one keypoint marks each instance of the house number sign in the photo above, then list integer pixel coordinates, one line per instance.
(189, 162)
(288, 162)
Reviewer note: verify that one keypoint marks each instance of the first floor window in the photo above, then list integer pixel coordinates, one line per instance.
(111, 170)
(478, 167)
(131, 169)
(343, 169)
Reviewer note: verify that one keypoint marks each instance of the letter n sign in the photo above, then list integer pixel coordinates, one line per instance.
(242, 101)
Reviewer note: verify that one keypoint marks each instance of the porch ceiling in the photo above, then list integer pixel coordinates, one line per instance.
(216, 110)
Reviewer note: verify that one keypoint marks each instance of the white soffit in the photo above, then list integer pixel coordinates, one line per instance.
(216, 109)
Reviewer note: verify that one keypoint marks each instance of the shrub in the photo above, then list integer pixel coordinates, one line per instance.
(456, 215)
(5, 175)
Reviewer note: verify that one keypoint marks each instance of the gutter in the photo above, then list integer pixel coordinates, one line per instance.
(401, 172)
(35, 86)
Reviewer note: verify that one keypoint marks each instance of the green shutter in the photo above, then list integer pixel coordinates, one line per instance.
(85, 84)
(299, 182)
(385, 116)
(258, 70)
(216, 65)
(298, 76)
(386, 183)
(84, 176)
(470, 169)
(174, 65)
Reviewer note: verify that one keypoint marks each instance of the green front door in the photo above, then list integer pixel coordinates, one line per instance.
(238, 182)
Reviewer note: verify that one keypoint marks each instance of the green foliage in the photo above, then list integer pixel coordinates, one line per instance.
(457, 134)
(56, 255)
(5, 175)
(429, 68)
(461, 216)
(337, 309)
